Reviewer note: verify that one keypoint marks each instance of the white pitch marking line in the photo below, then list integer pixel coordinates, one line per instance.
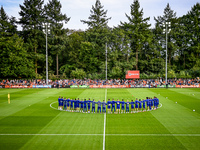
(55, 134)
(160, 105)
(185, 135)
(104, 130)
(152, 134)
(52, 106)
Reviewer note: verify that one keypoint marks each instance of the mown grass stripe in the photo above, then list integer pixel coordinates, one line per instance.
(25, 100)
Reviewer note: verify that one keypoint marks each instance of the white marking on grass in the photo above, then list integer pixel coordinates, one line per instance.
(153, 134)
(169, 135)
(160, 105)
(55, 107)
(53, 134)
(52, 106)
(104, 128)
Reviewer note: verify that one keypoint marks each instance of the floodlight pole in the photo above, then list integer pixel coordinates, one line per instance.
(46, 57)
(166, 60)
(106, 61)
(167, 26)
(45, 25)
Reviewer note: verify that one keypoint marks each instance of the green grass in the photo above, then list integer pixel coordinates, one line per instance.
(30, 123)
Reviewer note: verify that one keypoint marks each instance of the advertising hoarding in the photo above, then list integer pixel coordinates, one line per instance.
(133, 74)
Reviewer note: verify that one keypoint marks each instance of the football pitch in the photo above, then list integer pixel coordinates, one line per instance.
(32, 121)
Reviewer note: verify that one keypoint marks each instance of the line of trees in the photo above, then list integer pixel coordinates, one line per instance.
(132, 45)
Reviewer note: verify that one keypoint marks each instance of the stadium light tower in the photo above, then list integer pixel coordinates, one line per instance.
(166, 30)
(46, 32)
(106, 62)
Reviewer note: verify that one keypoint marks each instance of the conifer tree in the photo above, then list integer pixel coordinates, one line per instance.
(31, 20)
(98, 31)
(55, 18)
(169, 16)
(7, 25)
(189, 38)
(98, 17)
(137, 28)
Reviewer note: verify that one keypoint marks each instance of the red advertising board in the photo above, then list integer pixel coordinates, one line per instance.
(133, 74)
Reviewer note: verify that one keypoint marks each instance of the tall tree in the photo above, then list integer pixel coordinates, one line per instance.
(55, 18)
(188, 41)
(169, 16)
(98, 17)
(191, 22)
(7, 25)
(31, 20)
(15, 62)
(137, 28)
(98, 32)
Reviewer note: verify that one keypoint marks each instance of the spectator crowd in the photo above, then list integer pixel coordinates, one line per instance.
(88, 82)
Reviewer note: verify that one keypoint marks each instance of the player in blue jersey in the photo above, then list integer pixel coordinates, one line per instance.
(59, 105)
(144, 102)
(136, 104)
(85, 106)
(154, 103)
(88, 104)
(132, 106)
(65, 104)
(93, 106)
(140, 105)
(68, 102)
(99, 107)
(113, 105)
(149, 104)
(127, 106)
(71, 105)
(109, 105)
(157, 102)
(122, 108)
(81, 102)
(104, 106)
(77, 105)
(118, 106)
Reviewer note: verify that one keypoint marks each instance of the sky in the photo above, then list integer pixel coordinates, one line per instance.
(80, 9)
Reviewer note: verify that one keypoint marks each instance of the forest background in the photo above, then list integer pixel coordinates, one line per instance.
(131, 45)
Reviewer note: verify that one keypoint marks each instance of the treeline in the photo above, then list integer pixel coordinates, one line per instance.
(131, 45)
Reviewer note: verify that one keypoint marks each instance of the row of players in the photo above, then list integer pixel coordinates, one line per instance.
(77, 105)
